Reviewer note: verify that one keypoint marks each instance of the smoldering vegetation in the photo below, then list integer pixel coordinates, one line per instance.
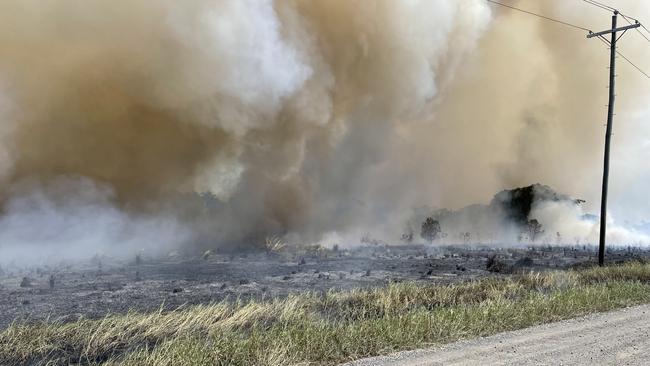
(92, 286)
(107, 285)
(530, 215)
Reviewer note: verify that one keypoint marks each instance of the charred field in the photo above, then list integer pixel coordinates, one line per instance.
(105, 286)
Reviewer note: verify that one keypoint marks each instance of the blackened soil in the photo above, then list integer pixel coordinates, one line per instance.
(103, 286)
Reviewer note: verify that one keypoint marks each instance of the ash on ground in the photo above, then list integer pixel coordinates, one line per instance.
(104, 286)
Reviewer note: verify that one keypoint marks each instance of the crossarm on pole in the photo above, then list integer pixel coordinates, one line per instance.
(631, 26)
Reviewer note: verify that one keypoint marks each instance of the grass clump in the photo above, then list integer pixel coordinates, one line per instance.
(327, 328)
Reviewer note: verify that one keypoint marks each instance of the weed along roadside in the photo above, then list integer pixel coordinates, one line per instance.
(328, 328)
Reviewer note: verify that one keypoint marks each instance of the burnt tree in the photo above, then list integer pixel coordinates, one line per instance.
(534, 229)
(430, 230)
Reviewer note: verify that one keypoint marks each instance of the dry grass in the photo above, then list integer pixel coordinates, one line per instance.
(274, 244)
(329, 328)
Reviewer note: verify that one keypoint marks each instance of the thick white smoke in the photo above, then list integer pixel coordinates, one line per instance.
(303, 118)
(73, 218)
(566, 223)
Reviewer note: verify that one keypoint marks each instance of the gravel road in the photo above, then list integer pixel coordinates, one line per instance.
(619, 337)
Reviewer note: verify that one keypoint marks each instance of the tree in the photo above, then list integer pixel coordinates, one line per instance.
(534, 229)
(430, 230)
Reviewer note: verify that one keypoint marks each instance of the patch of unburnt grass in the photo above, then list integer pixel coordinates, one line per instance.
(327, 328)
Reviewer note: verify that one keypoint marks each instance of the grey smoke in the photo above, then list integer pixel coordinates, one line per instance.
(305, 119)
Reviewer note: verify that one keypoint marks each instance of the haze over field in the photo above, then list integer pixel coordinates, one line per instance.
(309, 120)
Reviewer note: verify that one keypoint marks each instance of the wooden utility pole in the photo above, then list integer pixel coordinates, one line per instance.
(610, 121)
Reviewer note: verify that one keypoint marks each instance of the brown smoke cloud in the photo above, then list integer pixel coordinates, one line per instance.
(302, 117)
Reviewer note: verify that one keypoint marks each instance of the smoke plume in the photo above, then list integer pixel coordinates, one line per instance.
(299, 118)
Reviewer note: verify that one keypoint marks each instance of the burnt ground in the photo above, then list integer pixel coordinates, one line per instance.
(104, 286)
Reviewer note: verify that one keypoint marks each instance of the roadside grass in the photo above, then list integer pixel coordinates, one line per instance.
(327, 329)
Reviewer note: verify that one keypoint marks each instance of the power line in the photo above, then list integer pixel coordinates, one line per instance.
(610, 8)
(592, 2)
(626, 17)
(635, 66)
(642, 26)
(539, 16)
(624, 58)
(602, 5)
(597, 4)
(646, 29)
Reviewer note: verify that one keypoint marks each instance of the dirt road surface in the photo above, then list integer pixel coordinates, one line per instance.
(620, 337)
